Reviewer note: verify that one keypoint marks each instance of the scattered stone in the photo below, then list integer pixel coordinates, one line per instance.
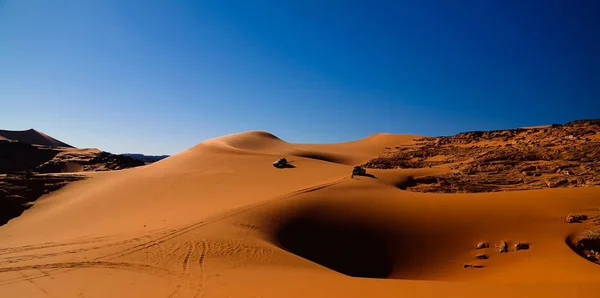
(575, 218)
(589, 240)
(482, 245)
(521, 246)
(481, 257)
(502, 247)
(593, 255)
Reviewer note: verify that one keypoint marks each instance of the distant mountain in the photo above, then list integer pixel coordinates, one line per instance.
(31, 150)
(17, 157)
(32, 136)
(146, 158)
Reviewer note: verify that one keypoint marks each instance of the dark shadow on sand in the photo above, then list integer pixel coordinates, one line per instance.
(350, 248)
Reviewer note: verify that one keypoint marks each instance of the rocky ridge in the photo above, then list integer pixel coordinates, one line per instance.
(516, 159)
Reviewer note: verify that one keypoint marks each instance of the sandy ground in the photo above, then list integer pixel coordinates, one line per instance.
(218, 220)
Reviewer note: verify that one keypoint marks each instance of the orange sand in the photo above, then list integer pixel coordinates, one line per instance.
(218, 220)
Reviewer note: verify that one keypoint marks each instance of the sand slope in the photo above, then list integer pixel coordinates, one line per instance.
(32, 136)
(218, 220)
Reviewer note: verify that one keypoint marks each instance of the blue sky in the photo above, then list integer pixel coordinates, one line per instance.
(158, 77)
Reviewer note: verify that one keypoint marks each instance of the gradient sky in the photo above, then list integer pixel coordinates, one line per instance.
(158, 77)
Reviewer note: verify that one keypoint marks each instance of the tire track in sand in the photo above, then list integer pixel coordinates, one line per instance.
(178, 232)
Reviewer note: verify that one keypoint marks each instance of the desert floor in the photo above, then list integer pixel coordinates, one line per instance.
(218, 220)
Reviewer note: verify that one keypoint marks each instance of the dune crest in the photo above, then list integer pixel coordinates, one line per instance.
(32, 136)
(348, 153)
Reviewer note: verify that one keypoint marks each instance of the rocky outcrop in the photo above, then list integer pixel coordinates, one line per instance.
(17, 192)
(518, 159)
(87, 160)
(575, 218)
(22, 162)
(482, 245)
(18, 157)
(589, 240)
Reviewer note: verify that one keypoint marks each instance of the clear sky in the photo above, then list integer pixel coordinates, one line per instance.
(158, 77)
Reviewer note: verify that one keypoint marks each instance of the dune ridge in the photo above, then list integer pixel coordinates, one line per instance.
(348, 153)
(32, 136)
(218, 220)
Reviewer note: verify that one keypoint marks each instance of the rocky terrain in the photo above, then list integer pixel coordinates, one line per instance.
(33, 164)
(17, 156)
(21, 157)
(517, 159)
(17, 191)
(87, 160)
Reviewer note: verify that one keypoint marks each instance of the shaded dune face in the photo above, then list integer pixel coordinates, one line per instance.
(350, 247)
(405, 182)
(353, 240)
(328, 157)
(570, 241)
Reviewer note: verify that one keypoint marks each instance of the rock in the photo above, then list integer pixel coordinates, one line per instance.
(575, 218)
(482, 245)
(589, 240)
(557, 182)
(521, 246)
(502, 247)
(481, 257)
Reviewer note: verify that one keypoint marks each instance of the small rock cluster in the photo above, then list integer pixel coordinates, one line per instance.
(472, 266)
(482, 257)
(589, 240)
(482, 245)
(589, 243)
(593, 256)
(575, 218)
(502, 247)
(521, 246)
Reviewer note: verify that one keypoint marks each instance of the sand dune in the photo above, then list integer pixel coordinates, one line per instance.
(32, 136)
(350, 153)
(218, 220)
